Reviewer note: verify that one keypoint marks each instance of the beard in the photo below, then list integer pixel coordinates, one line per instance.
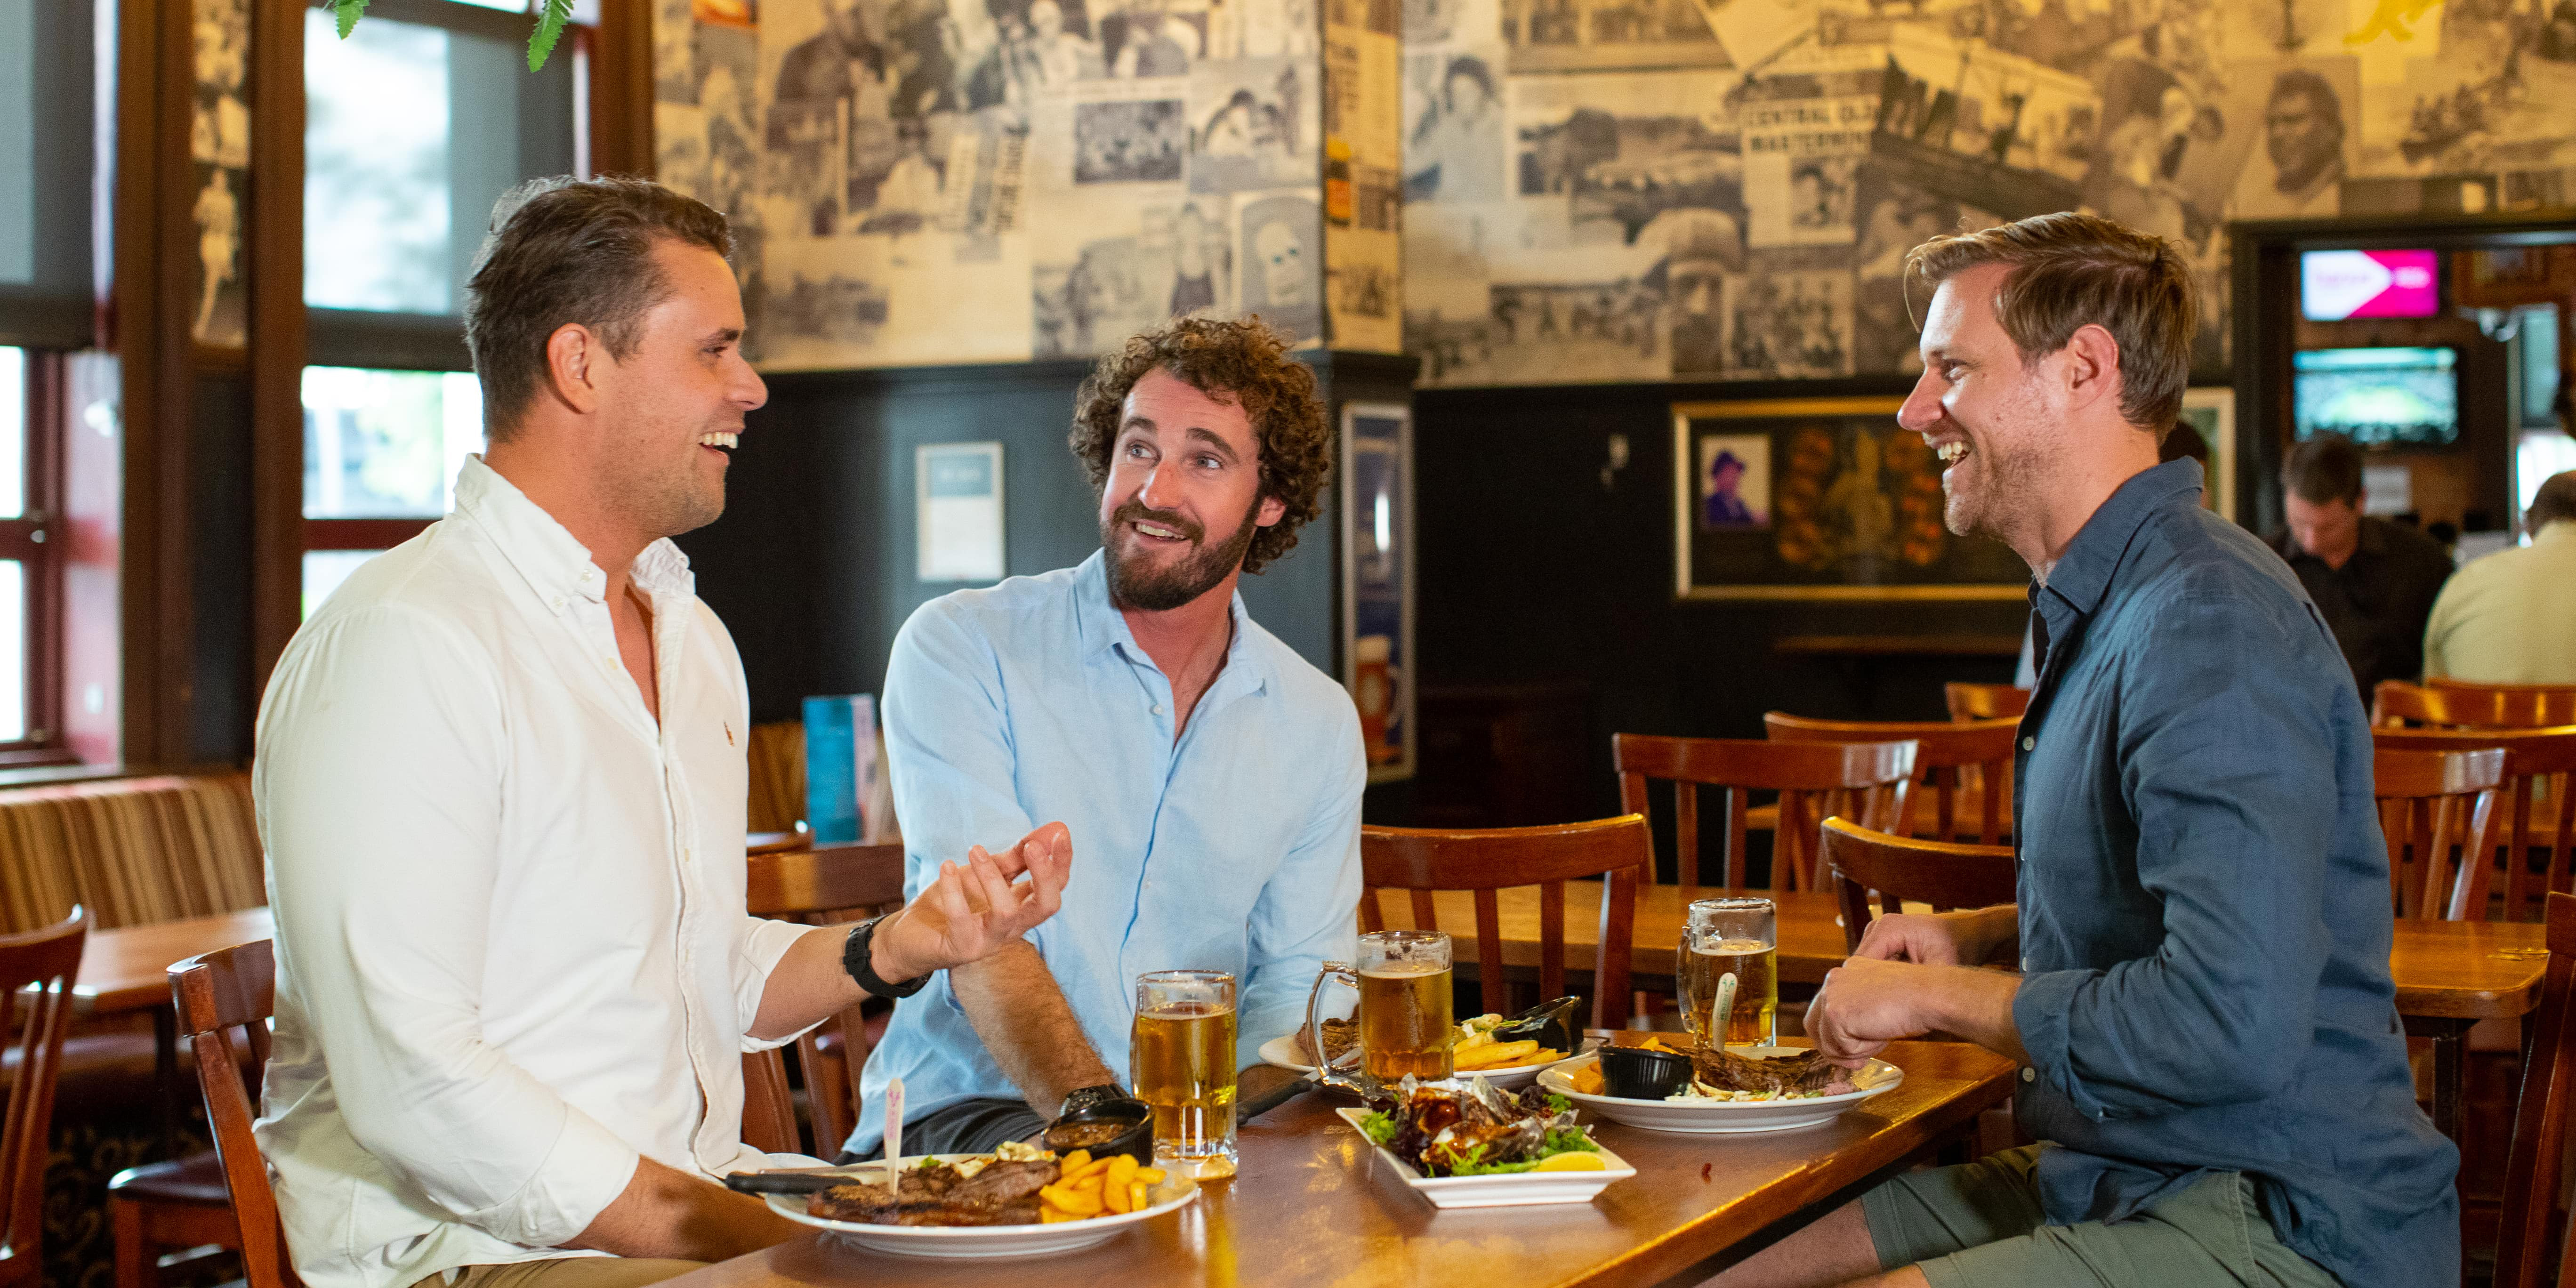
(663, 500)
(1150, 589)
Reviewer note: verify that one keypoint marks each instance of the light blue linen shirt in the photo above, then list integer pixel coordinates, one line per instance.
(1235, 849)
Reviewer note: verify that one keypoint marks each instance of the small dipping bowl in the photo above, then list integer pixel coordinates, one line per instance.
(1637, 1073)
(1110, 1127)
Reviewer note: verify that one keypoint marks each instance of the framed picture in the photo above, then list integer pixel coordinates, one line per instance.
(1819, 498)
(957, 499)
(2213, 413)
(1377, 581)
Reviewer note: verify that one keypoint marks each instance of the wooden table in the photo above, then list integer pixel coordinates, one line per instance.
(128, 969)
(2449, 974)
(1313, 1206)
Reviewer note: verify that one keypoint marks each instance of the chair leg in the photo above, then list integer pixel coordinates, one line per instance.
(134, 1267)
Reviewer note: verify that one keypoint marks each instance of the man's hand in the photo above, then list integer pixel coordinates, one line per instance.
(1939, 939)
(977, 908)
(1866, 1003)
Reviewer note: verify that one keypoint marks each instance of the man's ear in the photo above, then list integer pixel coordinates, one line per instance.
(575, 362)
(2092, 366)
(1272, 511)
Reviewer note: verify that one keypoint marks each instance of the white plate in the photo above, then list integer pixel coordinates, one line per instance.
(1174, 1191)
(1726, 1116)
(1511, 1189)
(1282, 1052)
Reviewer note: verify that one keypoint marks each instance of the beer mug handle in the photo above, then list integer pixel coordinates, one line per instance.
(1315, 1027)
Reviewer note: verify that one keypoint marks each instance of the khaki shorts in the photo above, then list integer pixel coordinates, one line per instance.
(565, 1272)
(1980, 1226)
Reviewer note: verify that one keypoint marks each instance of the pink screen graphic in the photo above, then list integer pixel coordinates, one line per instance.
(2339, 284)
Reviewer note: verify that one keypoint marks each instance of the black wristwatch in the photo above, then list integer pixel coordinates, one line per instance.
(854, 959)
(1082, 1098)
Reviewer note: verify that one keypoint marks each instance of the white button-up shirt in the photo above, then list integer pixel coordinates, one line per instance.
(512, 953)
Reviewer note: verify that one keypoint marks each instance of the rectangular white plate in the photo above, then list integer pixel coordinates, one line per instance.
(1511, 1189)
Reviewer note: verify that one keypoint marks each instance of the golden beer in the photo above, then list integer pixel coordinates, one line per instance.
(1405, 1024)
(1752, 1020)
(1181, 1056)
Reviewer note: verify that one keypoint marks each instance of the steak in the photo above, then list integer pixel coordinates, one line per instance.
(1001, 1194)
(1804, 1073)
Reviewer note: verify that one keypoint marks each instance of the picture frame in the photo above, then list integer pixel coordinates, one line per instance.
(1819, 499)
(1377, 575)
(957, 513)
(2212, 411)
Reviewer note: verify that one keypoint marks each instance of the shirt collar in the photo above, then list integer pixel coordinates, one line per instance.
(1103, 627)
(2083, 573)
(557, 566)
(2555, 530)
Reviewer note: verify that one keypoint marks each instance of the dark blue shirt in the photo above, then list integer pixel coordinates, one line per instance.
(2205, 917)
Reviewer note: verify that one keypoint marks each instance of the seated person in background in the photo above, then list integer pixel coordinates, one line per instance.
(2203, 1013)
(501, 782)
(2510, 618)
(1213, 775)
(2372, 580)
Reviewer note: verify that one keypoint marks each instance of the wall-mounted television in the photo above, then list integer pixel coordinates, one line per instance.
(2392, 397)
(2339, 284)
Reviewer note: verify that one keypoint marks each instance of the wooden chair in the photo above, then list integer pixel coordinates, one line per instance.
(2395, 702)
(1900, 869)
(45, 961)
(1985, 701)
(2550, 704)
(2539, 821)
(818, 886)
(1967, 767)
(1868, 781)
(1423, 860)
(216, 993)
(2527, 1255)
(2431, 805)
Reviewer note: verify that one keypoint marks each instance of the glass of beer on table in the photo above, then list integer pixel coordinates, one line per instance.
(1737, 937)
(1181, 1055)
(1406, 1024)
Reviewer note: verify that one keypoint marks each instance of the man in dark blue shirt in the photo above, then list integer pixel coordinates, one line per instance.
(2210, 1047)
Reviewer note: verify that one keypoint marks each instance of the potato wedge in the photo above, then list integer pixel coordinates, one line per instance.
(1498, 1053)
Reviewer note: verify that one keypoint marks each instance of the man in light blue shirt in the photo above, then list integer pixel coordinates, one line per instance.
(1211, 777)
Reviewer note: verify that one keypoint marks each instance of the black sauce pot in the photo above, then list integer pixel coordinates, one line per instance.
(1135, 1139)
(1638, 1073)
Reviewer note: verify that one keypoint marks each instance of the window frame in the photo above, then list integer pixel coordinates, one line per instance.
(36, 540)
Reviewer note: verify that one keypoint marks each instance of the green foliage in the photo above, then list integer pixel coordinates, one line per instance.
(1378, 1127)
(541, 42)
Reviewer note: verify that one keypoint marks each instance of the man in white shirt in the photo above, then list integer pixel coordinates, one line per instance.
(2510, 618)
(501, 780)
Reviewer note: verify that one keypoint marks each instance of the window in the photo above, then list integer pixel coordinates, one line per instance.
(29, 578)
(414, 127)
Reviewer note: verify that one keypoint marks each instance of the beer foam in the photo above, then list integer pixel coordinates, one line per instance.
(1733, 948)
(1402, 970)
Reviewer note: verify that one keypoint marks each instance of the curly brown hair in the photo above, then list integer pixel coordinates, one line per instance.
(1243, 362)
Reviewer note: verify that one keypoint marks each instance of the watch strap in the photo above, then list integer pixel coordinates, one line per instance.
(855, 960)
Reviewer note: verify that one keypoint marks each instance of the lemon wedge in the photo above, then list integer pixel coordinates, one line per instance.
(1573, 1161)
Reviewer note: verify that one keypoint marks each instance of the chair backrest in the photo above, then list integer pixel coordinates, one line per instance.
(1899, 869)
(2548, 704)
(2395, 702)
(1985, 701)
(2536, 1158)
(217, 993)
(2539, 816)
(776, 759)
(1964, 764)
(1423, 860)
(2433, 804)
(1868, 781)
(46, 961)
(818, 886)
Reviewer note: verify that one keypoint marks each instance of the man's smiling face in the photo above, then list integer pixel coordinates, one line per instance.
(1981, 409)
(1183, 497)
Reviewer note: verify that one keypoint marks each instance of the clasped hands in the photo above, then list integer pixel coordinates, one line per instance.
(1914, 973)
(977, 908)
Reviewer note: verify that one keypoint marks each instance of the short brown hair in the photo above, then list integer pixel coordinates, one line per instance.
(2323, 469)
(2070, 271)
(2553, 503)
(564, 251)
(1246, 363)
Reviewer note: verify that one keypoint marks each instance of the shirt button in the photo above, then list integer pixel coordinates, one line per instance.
(2028, 742)
(1158, 708)
(2025, 965)
(2029, 1074)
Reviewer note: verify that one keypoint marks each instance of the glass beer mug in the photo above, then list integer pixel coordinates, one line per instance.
(1731, 937)
(1403, 978)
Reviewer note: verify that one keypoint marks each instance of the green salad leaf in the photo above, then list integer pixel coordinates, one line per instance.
(1378, 1127)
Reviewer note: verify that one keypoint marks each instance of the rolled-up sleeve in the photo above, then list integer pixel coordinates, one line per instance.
(378, 777)
(948, 746)
(2234, 831)
(1307, 914)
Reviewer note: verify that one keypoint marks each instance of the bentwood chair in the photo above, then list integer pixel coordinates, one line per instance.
(1902, 869)
(2550, 703)
(1422, 861)
(2528, 1254)
(2433, 805)
(2395, 702)
(833, 883)
(1959, 769)
(1985, 701)
(216, 994)
(41, 963)
(2537, 832)
(1868, 781)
